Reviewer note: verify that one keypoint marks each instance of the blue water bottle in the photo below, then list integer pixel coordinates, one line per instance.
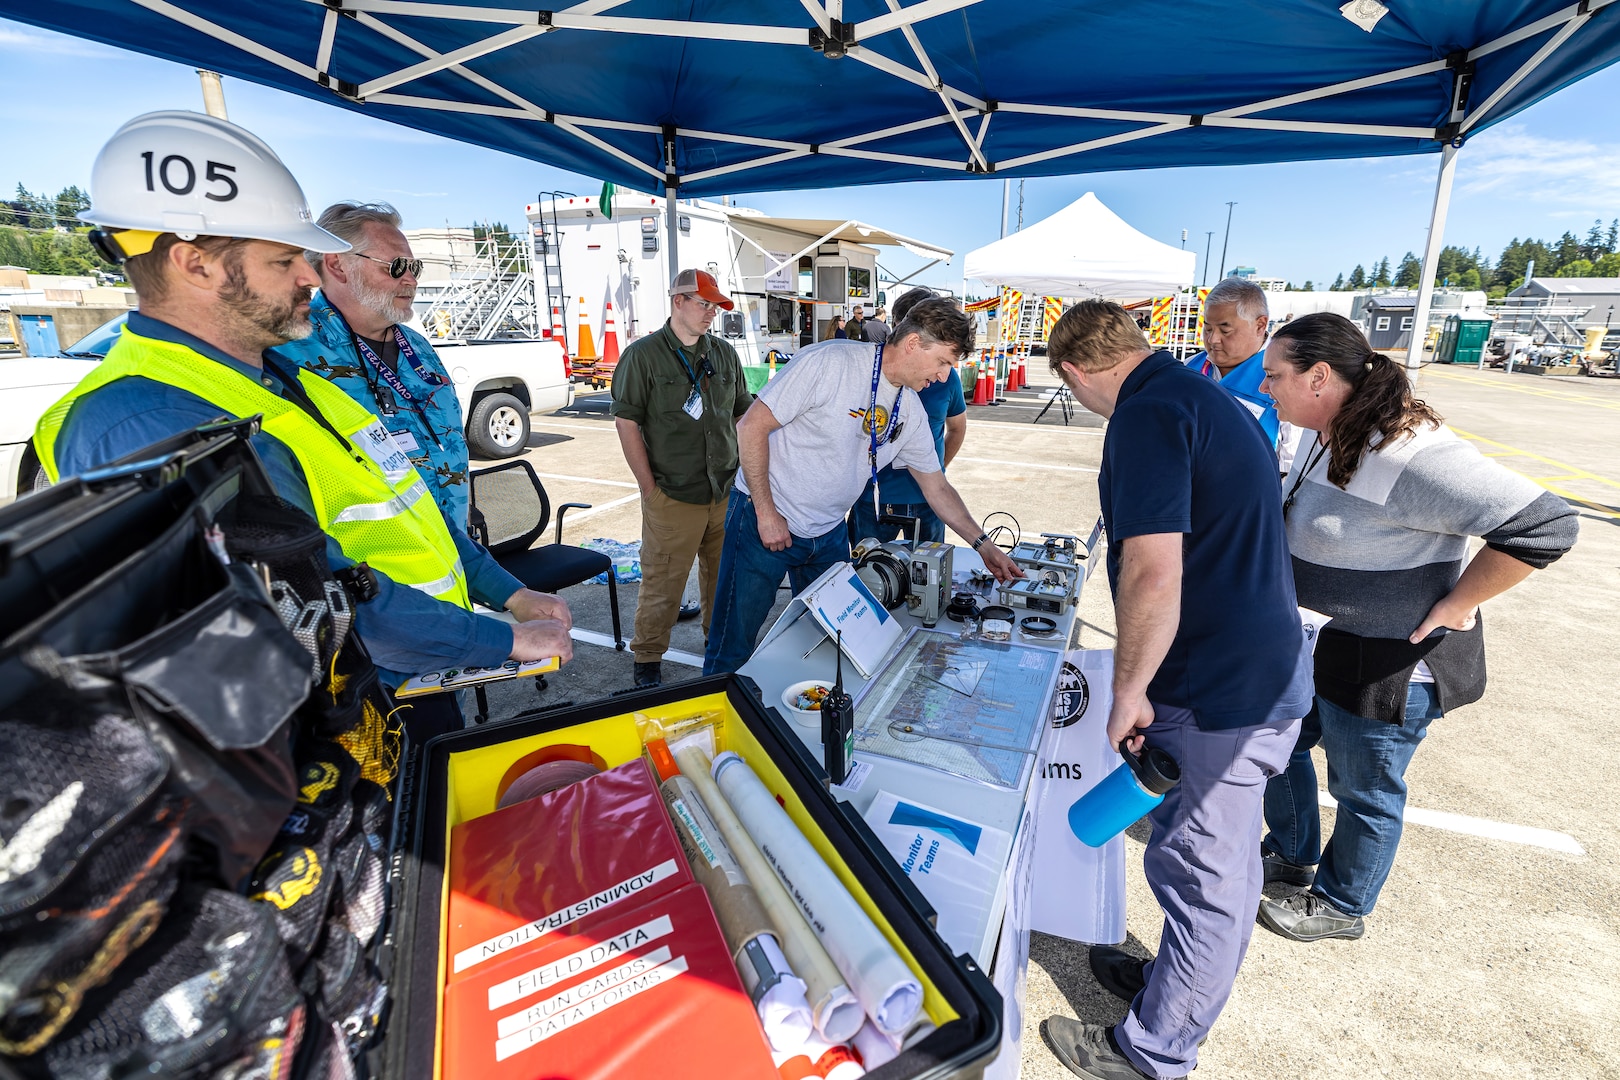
(1124, 795)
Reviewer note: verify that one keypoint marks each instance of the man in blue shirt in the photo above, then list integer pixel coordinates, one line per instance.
(899, 494)
(1236, 318)
(1210, 666)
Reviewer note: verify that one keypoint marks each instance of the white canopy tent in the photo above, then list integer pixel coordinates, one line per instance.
(1084, 250)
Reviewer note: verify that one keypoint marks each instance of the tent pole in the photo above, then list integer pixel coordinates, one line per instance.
(672, 228)
(1006, 196)
(1431, 254)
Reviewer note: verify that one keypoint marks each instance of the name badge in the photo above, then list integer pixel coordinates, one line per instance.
(694, 405)
(405, 440)
(383, 451)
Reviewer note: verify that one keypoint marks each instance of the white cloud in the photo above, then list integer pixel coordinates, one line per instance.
(1509, 160)
(50, 43)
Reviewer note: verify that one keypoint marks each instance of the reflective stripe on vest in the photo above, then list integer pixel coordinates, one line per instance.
(393, 525)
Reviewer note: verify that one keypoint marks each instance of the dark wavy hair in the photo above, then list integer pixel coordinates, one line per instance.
(1380, 393)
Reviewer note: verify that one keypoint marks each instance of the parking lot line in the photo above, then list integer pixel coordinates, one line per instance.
(586, 480)
(1534, 391)
(1025, 464)
(1566, 472)
(1490, 830)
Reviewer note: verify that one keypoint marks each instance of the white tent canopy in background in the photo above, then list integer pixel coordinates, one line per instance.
(1084, 250)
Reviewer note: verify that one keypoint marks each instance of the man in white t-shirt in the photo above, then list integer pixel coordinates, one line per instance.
(815, 436)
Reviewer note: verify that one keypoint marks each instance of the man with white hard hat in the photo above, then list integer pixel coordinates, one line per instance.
(212, 230)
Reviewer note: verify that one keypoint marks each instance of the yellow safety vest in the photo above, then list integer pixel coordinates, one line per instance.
(379, 511)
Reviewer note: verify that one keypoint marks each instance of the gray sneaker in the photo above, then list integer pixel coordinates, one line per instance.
(1279, 870)
(1305, 916)
(1088, 1050)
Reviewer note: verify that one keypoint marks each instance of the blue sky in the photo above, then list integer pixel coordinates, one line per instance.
(1553, 167)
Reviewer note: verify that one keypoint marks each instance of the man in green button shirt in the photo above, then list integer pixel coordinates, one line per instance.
(677, 394)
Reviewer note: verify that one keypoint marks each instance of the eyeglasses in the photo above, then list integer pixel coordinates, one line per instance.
(396, 267)
(706, 305)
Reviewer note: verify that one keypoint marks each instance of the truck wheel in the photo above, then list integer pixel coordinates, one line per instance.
(499, 426)
(31, 477)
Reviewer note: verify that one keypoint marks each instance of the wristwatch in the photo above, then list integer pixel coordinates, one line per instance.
(984, 538)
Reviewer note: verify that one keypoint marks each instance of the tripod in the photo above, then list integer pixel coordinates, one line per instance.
(1062, 397)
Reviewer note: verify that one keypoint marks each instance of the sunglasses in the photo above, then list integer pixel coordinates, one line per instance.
(396, 267)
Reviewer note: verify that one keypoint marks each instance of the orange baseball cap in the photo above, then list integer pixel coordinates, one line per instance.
(700, 283)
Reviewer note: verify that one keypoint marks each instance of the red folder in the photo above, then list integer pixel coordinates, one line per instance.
(645, 992)
(520, 876)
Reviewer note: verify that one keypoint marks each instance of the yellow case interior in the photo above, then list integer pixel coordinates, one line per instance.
(473, 776)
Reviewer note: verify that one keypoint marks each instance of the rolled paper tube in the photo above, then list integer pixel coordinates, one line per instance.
(777, 993)
(885, 986)
(876, 1049)
(836, 1012)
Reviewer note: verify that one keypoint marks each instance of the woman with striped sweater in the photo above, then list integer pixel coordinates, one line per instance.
(1379, 507)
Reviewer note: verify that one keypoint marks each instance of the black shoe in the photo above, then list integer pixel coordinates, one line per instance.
(1087, 1049)
(689, 611)
(1279, 870)
(1304, 916)
(1118, 972)
(649, 675)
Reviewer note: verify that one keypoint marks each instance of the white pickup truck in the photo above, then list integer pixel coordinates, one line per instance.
(498, 384)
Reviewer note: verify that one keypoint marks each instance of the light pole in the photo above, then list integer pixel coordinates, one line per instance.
(1209, 242)
(1183, 239)
(1227, 237)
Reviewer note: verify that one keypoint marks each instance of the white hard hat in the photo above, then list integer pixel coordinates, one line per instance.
(197, 175)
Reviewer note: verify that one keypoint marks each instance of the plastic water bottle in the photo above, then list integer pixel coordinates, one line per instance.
(1124, 795)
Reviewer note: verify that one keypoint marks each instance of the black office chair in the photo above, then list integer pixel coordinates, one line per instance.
(510, 511)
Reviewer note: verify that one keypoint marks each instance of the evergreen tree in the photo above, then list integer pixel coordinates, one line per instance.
(1613, 239)
(1567, 250)
(70, 202)
(1338, 284)
(1358, 278)
(1308, 287)
(1596, 246)
(1381, 276)
(36, 212)
(1410, 273)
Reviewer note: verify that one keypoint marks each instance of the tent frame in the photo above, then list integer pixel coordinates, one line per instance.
(834, 38)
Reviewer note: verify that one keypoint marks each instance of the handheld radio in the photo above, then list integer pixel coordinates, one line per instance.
(838, 724)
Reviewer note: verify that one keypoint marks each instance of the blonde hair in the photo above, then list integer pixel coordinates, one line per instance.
(1094, 335)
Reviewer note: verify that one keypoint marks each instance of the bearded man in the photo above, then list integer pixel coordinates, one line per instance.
(215, 250)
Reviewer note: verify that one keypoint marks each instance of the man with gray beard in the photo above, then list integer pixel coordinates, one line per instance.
(359, 343)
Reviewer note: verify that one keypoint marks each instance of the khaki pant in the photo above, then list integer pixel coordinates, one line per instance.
(673, 533)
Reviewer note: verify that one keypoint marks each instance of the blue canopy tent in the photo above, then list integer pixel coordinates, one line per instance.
(718, 96)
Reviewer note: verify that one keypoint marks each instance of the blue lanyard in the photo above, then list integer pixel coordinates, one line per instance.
(390, 377)
(891, 422)
(687, 365)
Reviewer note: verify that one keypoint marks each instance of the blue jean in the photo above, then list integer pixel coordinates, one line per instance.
(1367, 762)
(863, 520)
(749, 576)
(1204, 872)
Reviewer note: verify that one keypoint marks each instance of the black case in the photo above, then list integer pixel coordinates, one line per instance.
(960, 1048)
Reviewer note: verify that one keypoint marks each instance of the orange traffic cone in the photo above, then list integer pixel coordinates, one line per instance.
(610, 339)
(585, 344)
(1017, 380)
(981, 387)
(560, 336)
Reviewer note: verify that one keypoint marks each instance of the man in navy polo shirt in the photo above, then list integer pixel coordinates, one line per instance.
(1210, 666)
(947, 420)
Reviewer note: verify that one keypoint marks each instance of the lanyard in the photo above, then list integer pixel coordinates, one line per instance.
(1321, 448)
(392, 378)
(890, 427)
(688, 366)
